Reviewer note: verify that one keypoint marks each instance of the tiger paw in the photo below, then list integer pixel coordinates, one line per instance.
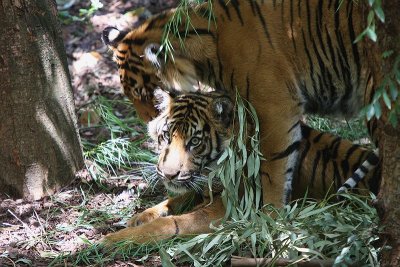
(148, 215)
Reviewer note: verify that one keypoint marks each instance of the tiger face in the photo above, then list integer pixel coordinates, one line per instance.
(192, 132)
(136, 72)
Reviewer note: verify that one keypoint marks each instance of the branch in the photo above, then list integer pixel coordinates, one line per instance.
(237, 261)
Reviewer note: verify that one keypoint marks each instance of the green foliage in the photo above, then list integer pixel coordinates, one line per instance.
(123, 152)
(375, 11)
(353, 129)
(303, 230)
(239, 165)
(181, 20)
(388, 94)
(388, 91)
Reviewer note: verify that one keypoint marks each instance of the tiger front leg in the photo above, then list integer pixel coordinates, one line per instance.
(280, 137)
(193, 223)
(171, 206)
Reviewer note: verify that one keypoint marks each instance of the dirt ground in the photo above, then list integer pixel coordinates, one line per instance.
(34, 233)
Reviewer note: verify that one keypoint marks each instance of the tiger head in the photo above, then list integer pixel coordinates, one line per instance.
(192, 132)
(137, 75)
(143, 65)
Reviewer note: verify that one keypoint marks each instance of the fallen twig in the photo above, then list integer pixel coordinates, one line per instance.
(237, 261)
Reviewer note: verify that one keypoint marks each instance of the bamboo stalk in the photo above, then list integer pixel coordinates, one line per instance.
(237, 261)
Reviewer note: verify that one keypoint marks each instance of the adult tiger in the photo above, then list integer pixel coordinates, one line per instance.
(192, 131)
(286, 58)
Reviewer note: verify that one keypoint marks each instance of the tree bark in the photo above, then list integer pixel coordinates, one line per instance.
(40, 149)
(389, 137)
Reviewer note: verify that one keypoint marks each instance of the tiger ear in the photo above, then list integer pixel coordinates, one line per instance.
(222, 111)
(164, 98)
(153, 53)
(111, 36)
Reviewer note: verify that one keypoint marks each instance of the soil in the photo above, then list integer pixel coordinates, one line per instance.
(34, 233)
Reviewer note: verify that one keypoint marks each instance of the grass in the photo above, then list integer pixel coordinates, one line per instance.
(353, 129)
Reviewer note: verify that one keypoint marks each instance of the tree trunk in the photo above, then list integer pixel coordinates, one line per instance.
(389, 144)
(40, 149)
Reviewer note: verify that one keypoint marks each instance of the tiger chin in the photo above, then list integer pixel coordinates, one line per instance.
(192, 131)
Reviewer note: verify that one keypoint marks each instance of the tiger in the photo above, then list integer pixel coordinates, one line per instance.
(193, 131)
(286, 58)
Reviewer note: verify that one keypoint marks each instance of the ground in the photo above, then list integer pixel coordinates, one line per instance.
(118, 177)
(34, 233)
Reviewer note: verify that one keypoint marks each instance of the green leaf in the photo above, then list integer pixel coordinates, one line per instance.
(393, 90)
(387, 54)
(371, 2)
(387, 100)
(378, 109)
(371, 34)
(370, 111)
(370, 18)
(398, 75)
(379, 13)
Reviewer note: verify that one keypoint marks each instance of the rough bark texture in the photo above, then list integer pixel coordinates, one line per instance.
(39, 145)
(389, 144)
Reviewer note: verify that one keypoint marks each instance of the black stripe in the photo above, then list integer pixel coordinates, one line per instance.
(352, 39)
(347, 186)
(345, 163)
(235, 4)
(364, 169)
(373, 159)
(289, 150)
(311, 66)
(318, 137)
(299, 8)
(176, 226)
(319, 16)
(325, 161)
(305, 131)
(252, 7)
(356, 177)
(262, 20)
(294, 126)
(335, 147)
(331, 52)
(136, 41)
(225, 8)
(315, 165)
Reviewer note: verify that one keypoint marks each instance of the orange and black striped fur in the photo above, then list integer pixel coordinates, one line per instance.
(286, 58)
(192, 131)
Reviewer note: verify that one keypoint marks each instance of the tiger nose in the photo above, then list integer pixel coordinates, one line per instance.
(171, 174)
